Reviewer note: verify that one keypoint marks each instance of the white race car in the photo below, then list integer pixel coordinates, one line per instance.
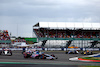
(42, 55)
(50, 57)
(6, 51)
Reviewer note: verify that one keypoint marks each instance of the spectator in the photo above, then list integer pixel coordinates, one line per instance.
(53, 33)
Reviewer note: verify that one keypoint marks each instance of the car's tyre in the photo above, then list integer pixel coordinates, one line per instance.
(23, 52)
(37, 57)
(66, 52)
(82, 52)
(0, 52)
(71, 53)
(3, 51)
(91, 53)
(10, 52)
(52, 59)
(44, 57)
(25, 56)
(56, 57)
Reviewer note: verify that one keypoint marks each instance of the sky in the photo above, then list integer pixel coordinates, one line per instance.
(19, 16)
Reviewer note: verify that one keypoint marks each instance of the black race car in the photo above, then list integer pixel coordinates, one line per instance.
(72, 52)
(87, 52)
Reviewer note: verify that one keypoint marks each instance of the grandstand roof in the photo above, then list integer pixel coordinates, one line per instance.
(72, 25)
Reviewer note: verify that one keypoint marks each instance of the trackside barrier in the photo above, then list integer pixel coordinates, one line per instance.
(0, 48)
(54, 49)
(13, 48)
(73, 48)
(58, 49)
(46, 49)
(39, 49)
(95, 49)
(16, 48)
(65, 49)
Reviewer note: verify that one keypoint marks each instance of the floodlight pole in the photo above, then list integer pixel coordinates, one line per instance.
(17, 29)
(82, 39)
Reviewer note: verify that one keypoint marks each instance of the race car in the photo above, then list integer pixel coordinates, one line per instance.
(27, 54)
(87, 52)
(6, 51)
(72, 52)
(39, 55)
(50, 57)
(42, 55)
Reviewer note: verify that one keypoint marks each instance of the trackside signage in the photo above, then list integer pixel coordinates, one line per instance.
(54, 49)
(38, 48)
(73, 48)
(92, 49)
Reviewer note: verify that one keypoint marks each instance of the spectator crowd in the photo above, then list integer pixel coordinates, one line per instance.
(59, 33)
(4, 35)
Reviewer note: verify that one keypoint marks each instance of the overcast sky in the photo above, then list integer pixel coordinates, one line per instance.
(18, 16)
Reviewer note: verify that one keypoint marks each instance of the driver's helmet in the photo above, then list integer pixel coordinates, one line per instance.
(53, 55)
(87, 50)
(6, 49)
(37, 52)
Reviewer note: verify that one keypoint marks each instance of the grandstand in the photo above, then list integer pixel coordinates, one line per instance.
(80, 34)
(4, 38)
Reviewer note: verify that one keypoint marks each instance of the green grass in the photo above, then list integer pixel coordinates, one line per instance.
(91, 58)
(90, 66)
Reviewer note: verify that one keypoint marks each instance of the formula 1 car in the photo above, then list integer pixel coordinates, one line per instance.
(72, 52)
(50, 57)
(6, 51)
(42, 55)
(39, 55)
(27, 54)
(87, 52)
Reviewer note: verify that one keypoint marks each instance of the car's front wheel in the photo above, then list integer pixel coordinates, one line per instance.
(37, 57)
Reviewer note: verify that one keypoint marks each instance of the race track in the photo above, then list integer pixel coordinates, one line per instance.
(62, 61)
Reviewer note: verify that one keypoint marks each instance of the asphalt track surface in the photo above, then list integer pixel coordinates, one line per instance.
(17, 60)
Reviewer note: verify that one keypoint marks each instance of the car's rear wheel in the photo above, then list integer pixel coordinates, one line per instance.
(10, 53)
(0, 52)
(91, 53)
(52, 59)
(66, 52)
(56, 57)
(25, 56)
